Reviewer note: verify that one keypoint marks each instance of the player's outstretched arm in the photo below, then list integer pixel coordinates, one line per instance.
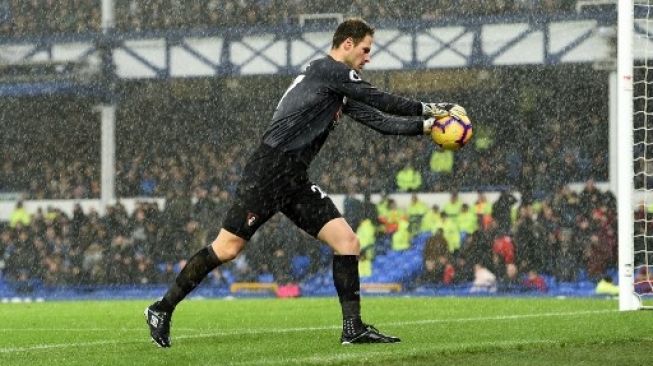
(385, 123)
(347, 82)
(355, 88)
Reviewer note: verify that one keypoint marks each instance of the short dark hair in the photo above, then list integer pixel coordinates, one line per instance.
(356, 28)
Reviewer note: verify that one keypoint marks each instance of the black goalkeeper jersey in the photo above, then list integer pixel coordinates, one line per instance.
(313, 104)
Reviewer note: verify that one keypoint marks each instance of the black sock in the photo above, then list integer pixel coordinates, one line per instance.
(198, 266)
(347, 282)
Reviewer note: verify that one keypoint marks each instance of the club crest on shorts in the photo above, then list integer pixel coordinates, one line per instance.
(251, 218)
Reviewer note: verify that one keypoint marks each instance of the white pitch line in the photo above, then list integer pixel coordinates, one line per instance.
(48, 346)
(290, 330)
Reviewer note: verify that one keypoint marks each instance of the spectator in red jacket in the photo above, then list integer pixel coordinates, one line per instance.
(504, 247)
(535, 282)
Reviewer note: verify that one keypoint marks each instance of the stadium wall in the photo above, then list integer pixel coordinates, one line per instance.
(496, 41)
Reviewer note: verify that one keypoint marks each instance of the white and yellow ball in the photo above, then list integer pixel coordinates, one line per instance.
(452, 132)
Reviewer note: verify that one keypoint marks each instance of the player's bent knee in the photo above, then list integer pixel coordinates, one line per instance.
(340, 237)
(349, 245)
(226, 251)
(227, 246)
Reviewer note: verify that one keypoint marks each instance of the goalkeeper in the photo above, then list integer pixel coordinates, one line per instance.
(275, 178)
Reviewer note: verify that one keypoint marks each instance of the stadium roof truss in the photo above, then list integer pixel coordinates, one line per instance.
(287, 50)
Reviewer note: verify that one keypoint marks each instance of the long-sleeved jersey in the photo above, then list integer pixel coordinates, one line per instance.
(315, 101)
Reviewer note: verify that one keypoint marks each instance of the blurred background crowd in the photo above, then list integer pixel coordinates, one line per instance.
(174, 139)
(569, 236)
(187, 141)
(38, 17)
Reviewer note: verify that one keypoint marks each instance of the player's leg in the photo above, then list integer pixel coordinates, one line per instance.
(339, 235)
(314, 212)
(239, 225)
(159, 315)
(224, 248)
(341, 238)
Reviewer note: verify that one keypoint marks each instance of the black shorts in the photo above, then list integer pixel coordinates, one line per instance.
(274, 182)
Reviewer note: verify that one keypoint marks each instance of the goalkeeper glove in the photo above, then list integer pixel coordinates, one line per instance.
(439, 110)
(428, 125)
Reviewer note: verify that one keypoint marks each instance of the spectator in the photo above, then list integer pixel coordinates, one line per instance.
(530, 242)
(408, 179)
(416, 210)
(643, 281)
(440, 168)
(478, 247)
(510, 281)
(6, 247)
(391, 217)
(432, 220)
(467, 221)
(353, 208)
(401, 237)
(365, 265)
(590, 198)
(437, 272)
(19, 217)
(504, 248)
(501, 211)
(606, 287)
(242, 269)
(483, 209)
(453, 207)
(368, 208)
(366, 233)
(535, 282)
(436, 246)
(484, 280)
(451, 233)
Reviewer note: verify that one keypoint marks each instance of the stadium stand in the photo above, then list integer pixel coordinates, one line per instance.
(79, 16)
(188, 149)
(204, 143)
(118, 250)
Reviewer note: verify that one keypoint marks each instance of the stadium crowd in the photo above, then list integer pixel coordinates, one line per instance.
(50, 248)
(17, 17)
(388, 165)
(567, 235)
(179, 146)
(192, 151)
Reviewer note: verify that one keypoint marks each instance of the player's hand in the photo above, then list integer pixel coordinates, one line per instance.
(439, 110)
(428, 125)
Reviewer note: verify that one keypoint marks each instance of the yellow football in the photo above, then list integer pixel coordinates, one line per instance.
(452, 132)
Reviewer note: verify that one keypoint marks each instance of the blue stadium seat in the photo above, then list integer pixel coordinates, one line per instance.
(228, 276)
(265, 278)
(299, 266)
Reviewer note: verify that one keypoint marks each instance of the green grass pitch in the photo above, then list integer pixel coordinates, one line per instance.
(435, 331)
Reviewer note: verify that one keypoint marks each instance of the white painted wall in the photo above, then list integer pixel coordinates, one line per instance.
(429, 50)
